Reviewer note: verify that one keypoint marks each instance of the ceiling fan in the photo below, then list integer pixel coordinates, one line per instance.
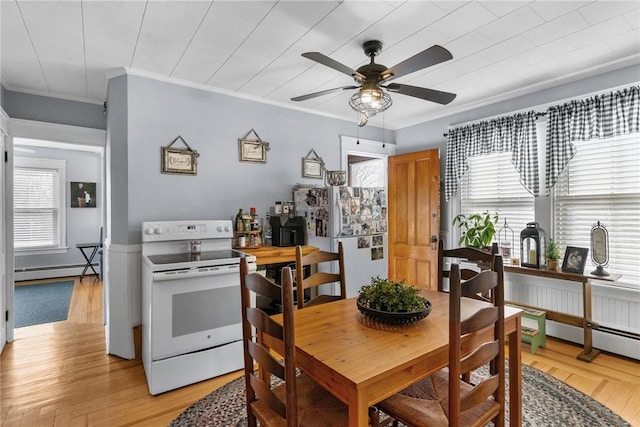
(372, 78)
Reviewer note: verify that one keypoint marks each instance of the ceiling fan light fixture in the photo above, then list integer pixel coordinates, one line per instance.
(375, 104)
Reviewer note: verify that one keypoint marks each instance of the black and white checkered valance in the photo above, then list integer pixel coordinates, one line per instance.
(599, 117)
(516, 134)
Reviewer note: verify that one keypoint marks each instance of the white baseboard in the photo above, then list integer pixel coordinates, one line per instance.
(51, 272)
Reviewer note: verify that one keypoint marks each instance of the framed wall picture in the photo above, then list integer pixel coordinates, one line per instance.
(179, 161)
(574, 259)
(183, 161)
(312, 166)
(252, 151)
(83, 194)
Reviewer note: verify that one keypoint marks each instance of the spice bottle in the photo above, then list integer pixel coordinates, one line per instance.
(239, 221)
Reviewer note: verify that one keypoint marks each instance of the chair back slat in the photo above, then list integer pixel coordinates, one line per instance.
(483, 281)
(479, 320)
(263, 323)
(318, 279)
(480, 393)
(263, 390)
(263, 358)
(480, 356)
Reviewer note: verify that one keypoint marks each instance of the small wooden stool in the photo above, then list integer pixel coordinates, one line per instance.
(535, 337)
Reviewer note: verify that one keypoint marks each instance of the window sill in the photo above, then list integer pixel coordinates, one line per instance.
(44, 251)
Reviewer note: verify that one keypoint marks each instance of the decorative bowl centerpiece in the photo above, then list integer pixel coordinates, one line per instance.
(392, 302)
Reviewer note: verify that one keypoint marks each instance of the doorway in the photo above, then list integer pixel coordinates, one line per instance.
(67, 138)
(50, 224)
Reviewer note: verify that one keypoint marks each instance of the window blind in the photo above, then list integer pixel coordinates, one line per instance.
(493, 184)
(602, 183)
(36, 208)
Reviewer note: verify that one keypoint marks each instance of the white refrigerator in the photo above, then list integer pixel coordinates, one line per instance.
(356, 216)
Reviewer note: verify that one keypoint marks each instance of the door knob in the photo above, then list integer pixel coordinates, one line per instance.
(433, 241)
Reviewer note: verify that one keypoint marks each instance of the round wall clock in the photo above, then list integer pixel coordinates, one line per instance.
(599, 249)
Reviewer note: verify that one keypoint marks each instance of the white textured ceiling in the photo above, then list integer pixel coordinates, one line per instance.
(501, 49)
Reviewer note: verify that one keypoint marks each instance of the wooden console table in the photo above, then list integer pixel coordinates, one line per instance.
(275, 254)
(589, 353)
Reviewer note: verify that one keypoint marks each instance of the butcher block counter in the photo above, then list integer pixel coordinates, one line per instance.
(275, 255)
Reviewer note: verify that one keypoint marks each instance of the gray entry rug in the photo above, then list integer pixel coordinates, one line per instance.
(546, 402)
(42, 303)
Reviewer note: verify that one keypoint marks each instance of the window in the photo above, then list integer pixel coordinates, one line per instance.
(602, 183)
(493, 184)
(39, 205)
(367, 172)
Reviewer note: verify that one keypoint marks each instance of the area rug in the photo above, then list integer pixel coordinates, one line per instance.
(546, 402)
(42, 303)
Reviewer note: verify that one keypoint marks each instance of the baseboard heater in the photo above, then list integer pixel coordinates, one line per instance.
(50, 272)
(619, 332)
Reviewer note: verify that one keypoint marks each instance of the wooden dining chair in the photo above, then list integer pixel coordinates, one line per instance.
(319, 261)
(275, 395)
(443, 399)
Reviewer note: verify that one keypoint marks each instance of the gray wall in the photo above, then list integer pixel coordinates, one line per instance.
(83, 224)
(157, 112)
(25, 106)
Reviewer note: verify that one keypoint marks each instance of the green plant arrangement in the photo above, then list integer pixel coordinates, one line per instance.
(552, 254)
(552, 251)
(389, 301)
(476, 230)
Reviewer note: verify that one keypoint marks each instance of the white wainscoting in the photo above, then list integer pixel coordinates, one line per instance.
(612, 306)
(123, 297)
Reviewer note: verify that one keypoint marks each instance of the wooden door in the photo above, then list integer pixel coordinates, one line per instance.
(414, 217)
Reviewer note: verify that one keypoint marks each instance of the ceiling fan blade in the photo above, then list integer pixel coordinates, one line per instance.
(428, 57)
(422, 92)
(332, 63)
(322, 92)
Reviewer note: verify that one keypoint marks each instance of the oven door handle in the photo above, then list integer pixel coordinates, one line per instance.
(195, 272)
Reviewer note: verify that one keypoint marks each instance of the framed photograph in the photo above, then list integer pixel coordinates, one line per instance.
(179, 161)
(83, 194)
(311, 168)
(252, 151)
(574, 259)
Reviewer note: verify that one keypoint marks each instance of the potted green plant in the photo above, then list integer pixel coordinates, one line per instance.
(390, 301)
(552, 254)
(476, 230)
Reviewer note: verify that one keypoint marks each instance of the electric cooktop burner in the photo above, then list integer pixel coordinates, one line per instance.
(230, 255)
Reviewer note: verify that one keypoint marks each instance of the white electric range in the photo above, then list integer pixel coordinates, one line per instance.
(191, 325)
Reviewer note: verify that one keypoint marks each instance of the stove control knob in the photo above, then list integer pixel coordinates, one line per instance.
(149, 230)
(219, 228)
(227, 228)
(157, 230)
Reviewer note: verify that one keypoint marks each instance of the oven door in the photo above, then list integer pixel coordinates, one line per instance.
(194, 310)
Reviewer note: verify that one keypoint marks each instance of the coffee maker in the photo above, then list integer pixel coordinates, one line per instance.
(287, 231)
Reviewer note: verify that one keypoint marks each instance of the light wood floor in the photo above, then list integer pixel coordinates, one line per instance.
(59, 375)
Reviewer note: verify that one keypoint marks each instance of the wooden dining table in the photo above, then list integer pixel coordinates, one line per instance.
(362, 362)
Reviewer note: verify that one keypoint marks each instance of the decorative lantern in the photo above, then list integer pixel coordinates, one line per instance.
(533, 241)
(505, 241)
